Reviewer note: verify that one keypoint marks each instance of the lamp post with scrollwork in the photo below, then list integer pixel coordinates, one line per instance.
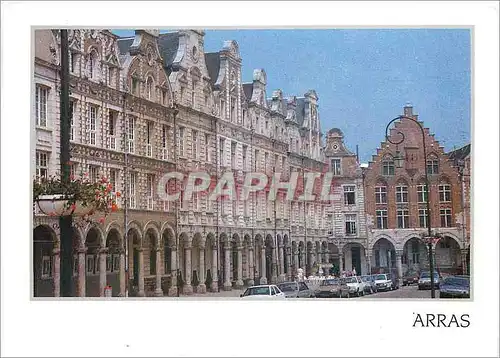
(428, 239)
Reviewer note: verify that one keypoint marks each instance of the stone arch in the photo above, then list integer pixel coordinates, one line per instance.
(167, 228)
(134, 228)
(78, 238)
(135, 244)
(447, 254)
(198, 246)
(114, 250)
(44, 242)
(151, 243)
(380, 181)
(114, 226)
(152, 225)
(169, 244)
(414, 254)
(354, 254)
(99, 231)
(94, 242)
(383, 254)
(211, 261)
(380, 237)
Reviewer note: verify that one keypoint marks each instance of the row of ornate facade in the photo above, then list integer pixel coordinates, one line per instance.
(156, 103)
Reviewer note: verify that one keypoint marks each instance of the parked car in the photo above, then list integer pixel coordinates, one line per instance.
(356, 286)
(263, 292)
(370, 286)
(424, 282)
(455, 287)
(384, 282)
(332, 288)
(410, 278)
(295, 289)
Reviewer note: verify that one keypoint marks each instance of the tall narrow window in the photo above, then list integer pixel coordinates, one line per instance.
(444, 192)
(336, 167)
(164, 97)
(403, 218)
(131, 190)
(381, 219)
(350, 224)
(223, 109)
(149, 134)
(181, 142)
(381, 195)
(445, 217)
(388, 166)
(72, 62)
(194, 144)
(266, 161)
(41, 96)
(349, 195)
(193, 94)
(422, 217)
(233, 109)
(71, 120)
(131, 135)
(415, 252)
(245, 164)
(112, 129)
(233, 155)
(235, 208)
(42, 167)
(222, 144)
(112, 179)
(111, 76)
(93, 173)
(150, 191)
(432, 165)
(93, 65)
(401, 194)
(150, 89)
(93, 125)
(164, 143)
(421, 193)
(135, 86)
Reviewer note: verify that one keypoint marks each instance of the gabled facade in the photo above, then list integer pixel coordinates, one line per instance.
(395, 203)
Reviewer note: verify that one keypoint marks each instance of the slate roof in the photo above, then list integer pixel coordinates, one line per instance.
(212, 61)
(248, 89)
(124, 44)
(300, 110)
(168, 44)
(460, 154)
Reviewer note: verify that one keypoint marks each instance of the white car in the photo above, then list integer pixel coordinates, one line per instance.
(263, 292)
(383, 282)
(356, 285)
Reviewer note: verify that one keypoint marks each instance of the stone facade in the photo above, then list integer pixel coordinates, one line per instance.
(396, 207)
(155, 103)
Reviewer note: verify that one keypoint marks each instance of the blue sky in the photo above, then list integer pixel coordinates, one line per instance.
(364, 77)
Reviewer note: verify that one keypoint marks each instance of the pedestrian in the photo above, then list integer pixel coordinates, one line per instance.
(354, 271)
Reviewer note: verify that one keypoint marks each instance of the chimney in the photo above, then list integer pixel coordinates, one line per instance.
(408, 110)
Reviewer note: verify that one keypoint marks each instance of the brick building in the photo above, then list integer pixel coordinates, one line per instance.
(156, 103)
(396, 205)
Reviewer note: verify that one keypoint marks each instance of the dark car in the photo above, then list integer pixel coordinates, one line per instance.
(424, 282)
(332, 288)
(455, 287)
(410, 278)
(370, 286)
(295, 289)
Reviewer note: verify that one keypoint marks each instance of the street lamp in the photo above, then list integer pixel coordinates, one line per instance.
(398, 161)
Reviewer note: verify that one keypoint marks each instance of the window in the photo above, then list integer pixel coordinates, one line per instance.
(93, 124)
(90, 264)
(112, 178)
(164, 97)
(381, 219)
(109, 263)
(164, 143)
(388, 166)
(245, 164)
(73, 57)
(222, 143)
(41, 96)
(130, 135)
(112, 129)
(444, 192)
(150, 190)
(135, 86)
(233, 109)
(116, 263)
(222, 108)
(415, 252)
(72, 170)
(445, 217)
(266, 161)
(149, 134)
(233, 155)
(42, 166)
(193, 94)
(350, 224)
(349, 195)
(71, 120)
(46, 267)
(403, 219)
(336, 168)
(422, 217)
(93, 65)
(207, 147)
(421, 193)
(181, 142)
(131, 190)
(150, 89)
(93, 173)
(432, 166)
(381, 195)
(401, 194)
(196, 201)
(194, 144)
(111, 76)
(235, 208)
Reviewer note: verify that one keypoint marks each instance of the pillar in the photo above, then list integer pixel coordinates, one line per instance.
(140, 279)
(81, 272)
(289, 273)
(122, 273)
(173, 290)
(326, 256)
(247, 264)
(281, 252)
(263, 278)
(103, 253)
(369, 262)
(251, 266)
(274, 265)
(187, 289)
(463, 255)
(295, 261)
(239, 280)
(399, 266)
(341, 260)
(56, 271)
(158, 289)
(227, 267)
(202, 287)
(215, 278)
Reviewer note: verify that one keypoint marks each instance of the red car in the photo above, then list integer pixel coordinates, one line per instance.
(410, 278)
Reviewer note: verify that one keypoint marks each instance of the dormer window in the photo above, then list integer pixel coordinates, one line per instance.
(388, 166)
(150, 89)
(135, 86)
(93, 65)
